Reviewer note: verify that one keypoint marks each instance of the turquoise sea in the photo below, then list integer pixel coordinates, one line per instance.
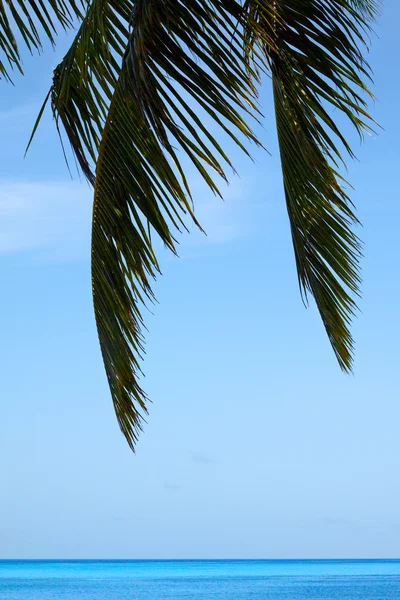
(200, 580)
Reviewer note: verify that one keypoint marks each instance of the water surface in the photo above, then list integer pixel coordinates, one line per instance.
(200, 580)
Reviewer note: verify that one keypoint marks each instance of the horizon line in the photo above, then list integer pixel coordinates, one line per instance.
(115, 559)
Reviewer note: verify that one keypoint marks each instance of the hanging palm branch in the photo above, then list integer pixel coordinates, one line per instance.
(129, 95)
(316, 62)
(128, 118)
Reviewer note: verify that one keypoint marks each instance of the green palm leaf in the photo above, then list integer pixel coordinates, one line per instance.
(130, 94)
(29, 20)
(131, 121)
(316, 63)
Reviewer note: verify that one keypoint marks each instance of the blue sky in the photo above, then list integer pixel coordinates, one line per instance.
(256, 444)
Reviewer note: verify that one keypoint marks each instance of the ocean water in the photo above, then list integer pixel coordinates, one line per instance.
(200, 580)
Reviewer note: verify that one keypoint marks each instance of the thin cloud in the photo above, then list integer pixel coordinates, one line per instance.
(49, 219)
(337, 522)
(18, 113)
(172, 487)
(201, 459)
(52, 220)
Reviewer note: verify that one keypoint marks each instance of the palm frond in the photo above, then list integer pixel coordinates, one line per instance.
(157, 67)
(131, 94)
(316, 63)
(84, 82)
(368, 9)
(30, 20)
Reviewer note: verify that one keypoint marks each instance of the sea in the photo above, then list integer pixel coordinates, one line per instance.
(200, 579)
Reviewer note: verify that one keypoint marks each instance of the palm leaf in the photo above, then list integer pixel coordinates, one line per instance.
(130, 94)
(30, 20)
(127, 102)
(316, 62)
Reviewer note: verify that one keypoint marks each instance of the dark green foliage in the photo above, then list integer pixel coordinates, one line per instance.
(317, 64)
(30, 20)
(128, 95)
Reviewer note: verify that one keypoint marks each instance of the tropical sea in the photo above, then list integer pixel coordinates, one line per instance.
(199, 579)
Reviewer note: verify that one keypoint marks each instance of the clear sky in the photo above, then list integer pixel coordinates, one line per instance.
(256, 444)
